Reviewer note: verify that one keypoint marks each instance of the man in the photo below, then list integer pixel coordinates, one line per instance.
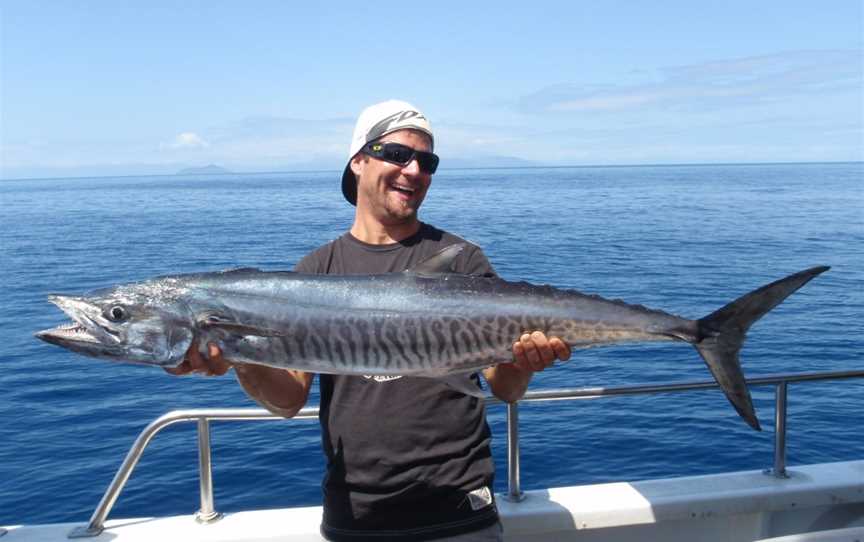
(407, 458)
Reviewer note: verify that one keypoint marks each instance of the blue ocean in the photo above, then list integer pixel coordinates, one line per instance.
(686, 239)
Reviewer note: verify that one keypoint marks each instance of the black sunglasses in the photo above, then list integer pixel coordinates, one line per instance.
(401, 155)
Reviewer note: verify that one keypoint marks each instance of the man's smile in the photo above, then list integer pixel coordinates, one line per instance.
(404, 189)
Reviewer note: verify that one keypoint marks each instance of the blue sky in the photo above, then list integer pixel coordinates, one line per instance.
(89, 88)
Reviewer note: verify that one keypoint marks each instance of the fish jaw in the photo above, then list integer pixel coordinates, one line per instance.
(84, 334)
(153, 338)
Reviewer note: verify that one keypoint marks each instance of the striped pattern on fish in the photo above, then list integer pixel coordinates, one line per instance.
(405, 324)
(423, 322)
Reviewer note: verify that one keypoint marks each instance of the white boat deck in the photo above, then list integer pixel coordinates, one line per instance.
(816, 503)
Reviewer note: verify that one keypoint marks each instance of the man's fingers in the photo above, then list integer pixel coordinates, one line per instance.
(547, 355)
(518, 350)
(182, 369)
(211, 365)
(520, 359)
(216, 363)
(190, 362)
(535, 351)
(530, 350)
(197, 363)
(532, 355)
(562, 349)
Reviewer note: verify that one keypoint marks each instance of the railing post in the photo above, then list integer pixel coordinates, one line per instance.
(779, 470)
(207, 513)
(514, 489)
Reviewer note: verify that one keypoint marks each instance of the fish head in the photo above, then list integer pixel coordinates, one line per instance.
(124, 324)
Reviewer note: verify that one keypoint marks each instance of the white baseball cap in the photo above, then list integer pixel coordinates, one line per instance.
(374, 122)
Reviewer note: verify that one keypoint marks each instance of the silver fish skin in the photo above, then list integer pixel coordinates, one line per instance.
(423, 322)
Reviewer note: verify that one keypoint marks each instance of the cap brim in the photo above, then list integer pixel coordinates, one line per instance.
(349, 185)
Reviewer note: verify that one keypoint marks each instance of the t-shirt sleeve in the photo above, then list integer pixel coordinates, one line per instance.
(315, 262)
(306, 265)
(476, 263)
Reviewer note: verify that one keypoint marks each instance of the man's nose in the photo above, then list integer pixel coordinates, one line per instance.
(411, 168)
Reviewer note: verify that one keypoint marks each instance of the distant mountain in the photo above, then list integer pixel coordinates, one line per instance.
(206, 170)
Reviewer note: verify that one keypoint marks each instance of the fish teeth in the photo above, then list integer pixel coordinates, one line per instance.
(73, 328)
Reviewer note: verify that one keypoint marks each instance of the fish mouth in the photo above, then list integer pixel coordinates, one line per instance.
(67, 333)
(83, 331)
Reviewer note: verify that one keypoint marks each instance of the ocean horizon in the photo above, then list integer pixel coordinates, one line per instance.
(442, 168)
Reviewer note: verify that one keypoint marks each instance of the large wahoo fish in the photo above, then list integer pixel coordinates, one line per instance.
(423, 322)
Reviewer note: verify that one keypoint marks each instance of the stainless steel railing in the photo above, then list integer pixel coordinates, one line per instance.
(202, 417)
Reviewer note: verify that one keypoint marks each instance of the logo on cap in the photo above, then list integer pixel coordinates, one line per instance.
(384, 124)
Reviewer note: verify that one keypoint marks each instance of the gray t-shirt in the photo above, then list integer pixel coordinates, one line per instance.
(408, 458)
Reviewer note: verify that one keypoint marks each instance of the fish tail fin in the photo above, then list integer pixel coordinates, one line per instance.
(722, 333)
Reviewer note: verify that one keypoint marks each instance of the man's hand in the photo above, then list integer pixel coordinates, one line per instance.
(212, 365)
(531, 353)
(534, 351)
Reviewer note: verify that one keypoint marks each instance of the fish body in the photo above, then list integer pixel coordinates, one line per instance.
(423, 322)
(404, 324)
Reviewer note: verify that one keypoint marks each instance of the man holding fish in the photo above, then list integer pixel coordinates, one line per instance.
(403, 425)
(408, 458)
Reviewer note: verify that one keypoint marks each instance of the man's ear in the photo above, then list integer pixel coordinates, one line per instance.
(357, 164)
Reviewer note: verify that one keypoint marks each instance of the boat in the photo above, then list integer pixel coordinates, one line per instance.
(815, 502)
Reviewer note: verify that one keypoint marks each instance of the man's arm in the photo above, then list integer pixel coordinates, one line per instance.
(532, 352)
(281, 391)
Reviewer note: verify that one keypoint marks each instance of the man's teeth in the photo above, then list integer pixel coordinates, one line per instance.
(405, 189)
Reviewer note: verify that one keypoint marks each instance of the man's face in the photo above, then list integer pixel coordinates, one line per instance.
(389, 192)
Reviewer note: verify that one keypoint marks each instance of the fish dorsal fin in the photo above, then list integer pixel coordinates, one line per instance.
(438, 263)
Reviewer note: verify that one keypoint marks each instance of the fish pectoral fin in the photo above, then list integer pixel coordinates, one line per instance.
(463, 383)
(215, 320)
(438, 263)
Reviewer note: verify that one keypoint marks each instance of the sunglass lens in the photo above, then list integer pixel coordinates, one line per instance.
(398, 153)
(427, 161)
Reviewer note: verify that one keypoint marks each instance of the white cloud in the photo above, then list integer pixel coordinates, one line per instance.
(596, 103)
(716, 85)
(186, 140)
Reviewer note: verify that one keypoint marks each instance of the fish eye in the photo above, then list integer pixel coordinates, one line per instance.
(116, 313)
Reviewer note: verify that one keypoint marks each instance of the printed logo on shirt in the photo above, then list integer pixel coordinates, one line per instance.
(381, 378)
(480, 498)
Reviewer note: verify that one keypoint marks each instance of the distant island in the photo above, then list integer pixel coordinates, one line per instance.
(206, 170)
